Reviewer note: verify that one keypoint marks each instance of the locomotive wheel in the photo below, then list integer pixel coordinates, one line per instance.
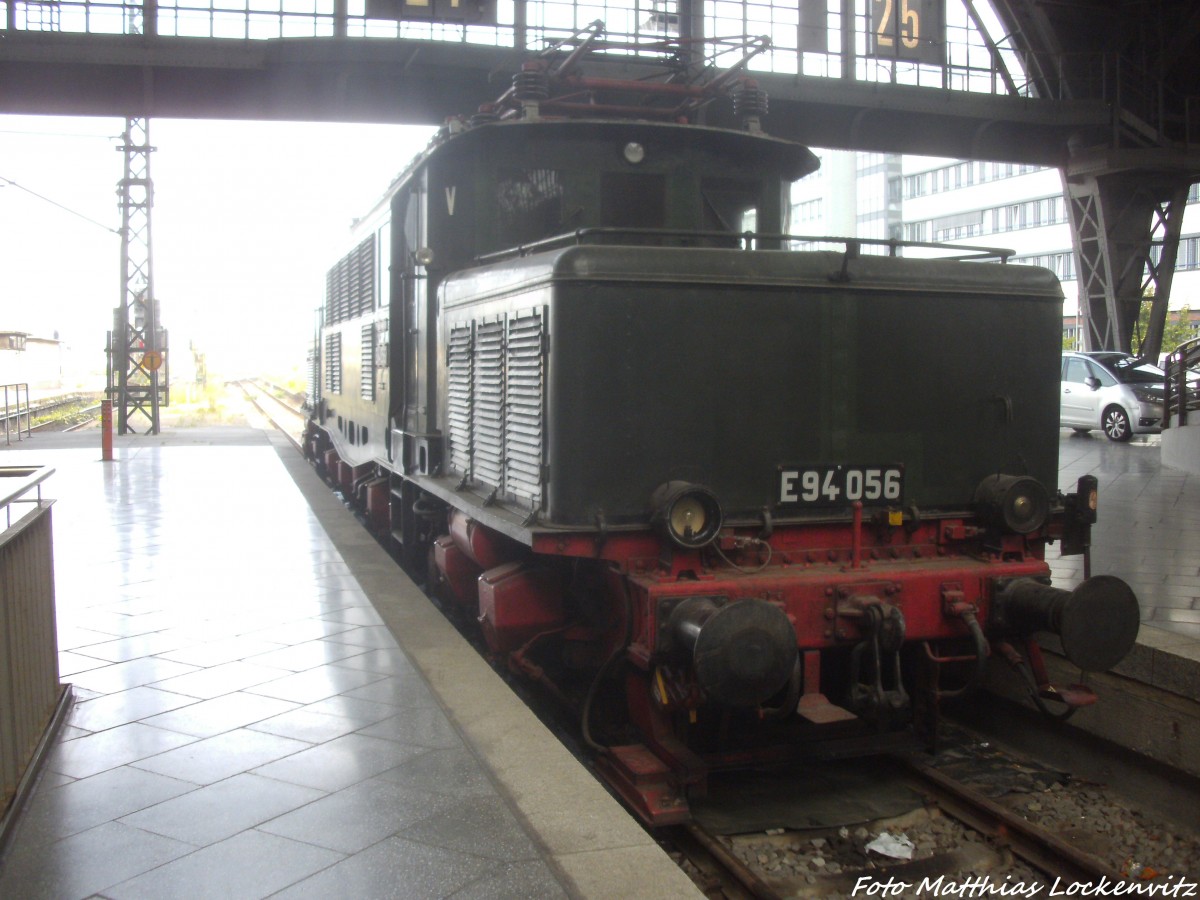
(1116, 424)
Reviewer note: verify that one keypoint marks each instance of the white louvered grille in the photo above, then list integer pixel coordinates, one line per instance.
(488, 419)
(460, 368)
(366, 377)
(523, 408)
(496, 397)
(313, 386)
(333, 363)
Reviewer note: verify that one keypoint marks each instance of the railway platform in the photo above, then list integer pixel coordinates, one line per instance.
(265, 706)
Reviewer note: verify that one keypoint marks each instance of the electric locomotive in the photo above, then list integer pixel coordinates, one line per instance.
(732, 502)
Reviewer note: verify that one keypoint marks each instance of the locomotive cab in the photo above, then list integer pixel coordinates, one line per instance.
(508, 187)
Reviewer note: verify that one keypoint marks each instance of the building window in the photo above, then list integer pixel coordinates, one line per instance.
(808, 211)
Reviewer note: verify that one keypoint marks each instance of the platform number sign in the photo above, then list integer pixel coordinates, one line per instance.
(913, 30)
(471, 12)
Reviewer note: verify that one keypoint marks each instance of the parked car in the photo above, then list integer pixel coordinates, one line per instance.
(1113, 391)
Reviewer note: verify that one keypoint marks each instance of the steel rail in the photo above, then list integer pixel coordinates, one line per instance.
(1038, 847)
(705, 852)
(254, 393)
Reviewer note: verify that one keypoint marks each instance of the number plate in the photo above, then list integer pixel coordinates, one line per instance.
(826, 485)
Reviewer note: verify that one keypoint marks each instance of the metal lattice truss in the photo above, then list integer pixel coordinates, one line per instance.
(138, 342)
(1126, 228)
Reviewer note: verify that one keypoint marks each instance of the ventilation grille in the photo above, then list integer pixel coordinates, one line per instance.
(458, 408)
(496, 386)
(488, 432)
(333, 363)
(366, 376)
(523, 420)
(350, 285)
(313, 386)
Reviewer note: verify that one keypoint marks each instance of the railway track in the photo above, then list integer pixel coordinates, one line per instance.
(1039, 848)
(80, 419)
(280, 412)
(54, 408)
(960, 842)
(713, 865)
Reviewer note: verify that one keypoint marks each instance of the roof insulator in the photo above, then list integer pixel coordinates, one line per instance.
(749, 104)
(531, 83)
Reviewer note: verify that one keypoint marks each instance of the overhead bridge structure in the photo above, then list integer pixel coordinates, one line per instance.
(1098, 90)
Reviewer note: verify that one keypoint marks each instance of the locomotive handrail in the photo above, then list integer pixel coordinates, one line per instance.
(747, 240)
(1180, 393)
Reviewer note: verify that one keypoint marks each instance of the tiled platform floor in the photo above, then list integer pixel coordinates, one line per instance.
(247, 726)
(245, 723)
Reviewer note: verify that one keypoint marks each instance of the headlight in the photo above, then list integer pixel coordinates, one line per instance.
(1146, 396)
(688, 514)
(1016, 502)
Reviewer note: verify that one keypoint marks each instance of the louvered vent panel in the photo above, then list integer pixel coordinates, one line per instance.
(333, 363)
(353, 288)
(330, 295)
(313, 386)
(350, 285)
(488, 422)
(523, 413)
(458, 407)
(343, 290)
(365, 264)
(366, 378)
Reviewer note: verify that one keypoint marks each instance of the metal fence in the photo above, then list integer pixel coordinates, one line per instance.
(1183, 385)
(15, 412)
(29, 688)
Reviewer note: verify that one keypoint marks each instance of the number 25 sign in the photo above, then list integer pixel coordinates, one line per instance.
(908, 29)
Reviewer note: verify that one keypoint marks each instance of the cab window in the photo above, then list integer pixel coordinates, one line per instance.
(529, 205)
(729, 204)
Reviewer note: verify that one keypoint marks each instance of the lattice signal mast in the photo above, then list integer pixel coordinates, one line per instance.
(137, 379)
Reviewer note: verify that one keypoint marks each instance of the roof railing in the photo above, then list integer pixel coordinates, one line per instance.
(747, 240)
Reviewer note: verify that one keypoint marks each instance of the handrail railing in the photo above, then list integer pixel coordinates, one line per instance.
(32, 701)
(23, 480)
(13, 411)
(1182, 393)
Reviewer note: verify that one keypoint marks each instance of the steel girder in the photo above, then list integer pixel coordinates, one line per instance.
(1125, 227)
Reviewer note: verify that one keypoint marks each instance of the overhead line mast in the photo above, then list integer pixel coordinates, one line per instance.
(137, 344)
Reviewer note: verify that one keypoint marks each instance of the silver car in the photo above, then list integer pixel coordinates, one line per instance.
(1119, 393)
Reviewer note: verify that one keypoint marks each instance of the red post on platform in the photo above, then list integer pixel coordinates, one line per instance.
(106, 430)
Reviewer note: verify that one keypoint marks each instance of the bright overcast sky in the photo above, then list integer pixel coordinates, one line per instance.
(247, 218)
